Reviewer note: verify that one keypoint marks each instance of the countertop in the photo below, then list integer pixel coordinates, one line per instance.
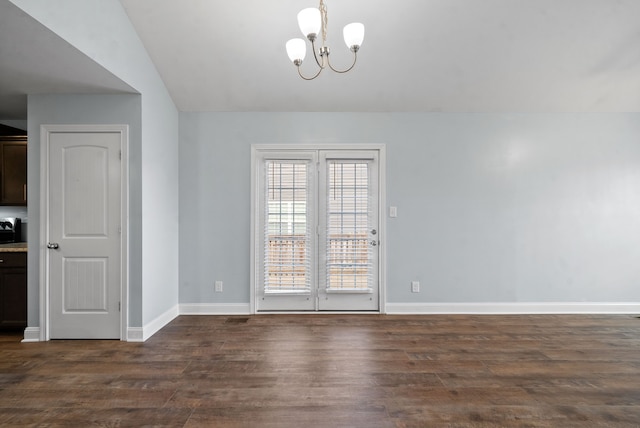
(17, 247)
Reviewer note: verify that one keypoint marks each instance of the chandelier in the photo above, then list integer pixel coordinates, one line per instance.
(313, 22)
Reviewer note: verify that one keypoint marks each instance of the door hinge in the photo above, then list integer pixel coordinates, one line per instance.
(119, 307)
(120, 154)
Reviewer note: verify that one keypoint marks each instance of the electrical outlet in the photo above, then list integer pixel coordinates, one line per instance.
(218, 286)
(415, 286)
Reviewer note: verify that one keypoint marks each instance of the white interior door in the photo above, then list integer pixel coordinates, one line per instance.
(84, 235)
(317, 231)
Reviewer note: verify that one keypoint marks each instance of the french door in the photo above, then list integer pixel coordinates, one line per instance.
(317, 234)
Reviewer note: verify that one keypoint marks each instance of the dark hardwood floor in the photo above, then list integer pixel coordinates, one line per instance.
(334, 371)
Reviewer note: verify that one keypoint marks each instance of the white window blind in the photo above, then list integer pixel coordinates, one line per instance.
(349, 251)
(287, 234)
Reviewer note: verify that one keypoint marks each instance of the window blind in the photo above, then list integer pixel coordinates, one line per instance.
(287, 234)
(349, 253)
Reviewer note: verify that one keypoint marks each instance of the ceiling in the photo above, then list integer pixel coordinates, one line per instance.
(33, 60)
(418, 55)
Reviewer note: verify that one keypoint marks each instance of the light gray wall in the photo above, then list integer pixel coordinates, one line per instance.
(85, 109)
(491, 207)
(102, 30)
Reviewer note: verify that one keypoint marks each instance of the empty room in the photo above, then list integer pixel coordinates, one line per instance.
(323, 213)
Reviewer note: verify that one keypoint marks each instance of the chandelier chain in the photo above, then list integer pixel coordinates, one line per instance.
(325, 21)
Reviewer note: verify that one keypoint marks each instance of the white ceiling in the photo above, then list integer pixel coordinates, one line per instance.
(33, 60)
(418, 55)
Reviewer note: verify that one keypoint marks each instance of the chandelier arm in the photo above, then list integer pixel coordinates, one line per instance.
(309, 78)
(315, 55)
(355, 58)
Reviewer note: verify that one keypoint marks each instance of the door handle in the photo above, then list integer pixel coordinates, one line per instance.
(374, 243)
(53, 246)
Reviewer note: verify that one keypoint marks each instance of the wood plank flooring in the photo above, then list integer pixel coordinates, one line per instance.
(334, 371)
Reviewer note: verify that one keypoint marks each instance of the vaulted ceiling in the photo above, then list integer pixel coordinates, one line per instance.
(33, 60)
(418, 55)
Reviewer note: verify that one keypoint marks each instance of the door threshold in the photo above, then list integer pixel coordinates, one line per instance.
(318, 312)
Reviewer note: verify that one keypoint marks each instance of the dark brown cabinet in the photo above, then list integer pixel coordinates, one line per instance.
(13, 290)
(13, 170)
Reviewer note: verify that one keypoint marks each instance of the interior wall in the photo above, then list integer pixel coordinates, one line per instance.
(491, 207)
(79, 110)
(102, 30)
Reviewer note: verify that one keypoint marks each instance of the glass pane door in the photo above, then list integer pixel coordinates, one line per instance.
(318, 231)
(287, 240)
(349, 225)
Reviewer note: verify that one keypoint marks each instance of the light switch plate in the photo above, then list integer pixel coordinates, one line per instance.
(393, 212)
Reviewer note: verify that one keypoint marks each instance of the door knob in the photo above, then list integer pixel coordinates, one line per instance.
(52, 246)
(373, 232)
(374, 243)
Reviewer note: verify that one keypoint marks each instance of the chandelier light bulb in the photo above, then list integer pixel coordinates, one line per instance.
(310, 22)
(296, 49)
(353, 35)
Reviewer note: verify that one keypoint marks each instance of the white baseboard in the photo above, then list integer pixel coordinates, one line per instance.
(215, 309)
(513, 308)
(135, 334)
(31, 334)
(141, 334)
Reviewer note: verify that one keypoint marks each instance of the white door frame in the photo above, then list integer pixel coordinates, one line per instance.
(382, 190)
(45, 132)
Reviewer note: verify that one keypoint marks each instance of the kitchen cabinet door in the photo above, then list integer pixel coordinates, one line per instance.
(13, 290)
(13, 170)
